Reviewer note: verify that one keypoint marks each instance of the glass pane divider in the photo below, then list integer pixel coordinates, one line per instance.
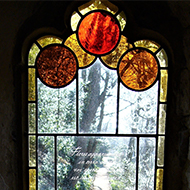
(55, 158)
(117, 114)
(137, 164)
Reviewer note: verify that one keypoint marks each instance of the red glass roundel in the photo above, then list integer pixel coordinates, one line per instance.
(98, 33)
(56, 66)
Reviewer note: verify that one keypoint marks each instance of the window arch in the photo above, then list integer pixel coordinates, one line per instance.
(103, 106)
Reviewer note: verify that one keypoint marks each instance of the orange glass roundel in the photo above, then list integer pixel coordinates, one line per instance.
(98, 33)
(56, 66)
(138, 69)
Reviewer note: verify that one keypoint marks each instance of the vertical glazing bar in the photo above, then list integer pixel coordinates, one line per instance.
(137, 164)
(36, 133)
(117, 115)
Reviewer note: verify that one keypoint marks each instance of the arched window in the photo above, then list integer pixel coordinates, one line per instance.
(96, 106)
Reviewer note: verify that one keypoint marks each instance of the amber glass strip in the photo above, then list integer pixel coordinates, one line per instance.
(122, 20)
(32, 179)
(163, 59)
(97, 4)
(32, 151)
(31, 84)
(160, 158)
(99, 33)
(159, 179)
(32, 55)
(162, 119)
(32, 117)
(152, 46)
(46, 40)
(138, 69)
(163, 85)
(84, 58)
(112, 59)
(75, 18)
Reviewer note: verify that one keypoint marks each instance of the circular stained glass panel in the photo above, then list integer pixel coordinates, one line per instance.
(138, 69)
(98, 33)
(56, 66)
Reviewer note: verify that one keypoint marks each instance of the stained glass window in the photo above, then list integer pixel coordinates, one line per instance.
(97, 106)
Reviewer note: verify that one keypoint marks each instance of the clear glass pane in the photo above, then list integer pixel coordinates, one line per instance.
(162, 119)
(46, 163)
(160, 159)
(33, 54)
(163, 85)
(32, 151)
(84, 59)
(31, 84)
(56, 109)
(152, 46)
(32, 179)
(32, 118)
(146, 163)
(104, 162)
(97, 99)
(46, 40)
(159, 179)
(122, 20)
(163, 59)
(112, 59)
(75, 18)
(138, 111)
(97, 4)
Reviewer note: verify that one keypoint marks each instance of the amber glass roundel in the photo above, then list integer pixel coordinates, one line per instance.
(98, 33)
(138, 69)
(56, 66)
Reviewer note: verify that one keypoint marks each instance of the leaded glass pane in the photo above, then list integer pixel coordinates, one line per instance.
(162, 57)
(159, 179)
(56, 109)
(44, 41)
(33, 54)
(31, 84)
(46, 163)
(163, 85)
(160, 159)
(32, 118)
(162, 119)
(32, 179)
(32, 151)
(97, 99)
(146, 163)
(138, 111)
(75, 18)
(122, 20)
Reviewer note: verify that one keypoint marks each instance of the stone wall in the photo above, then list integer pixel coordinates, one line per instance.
(18, 20)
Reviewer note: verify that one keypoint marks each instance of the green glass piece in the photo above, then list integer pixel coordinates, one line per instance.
(163, 59)
(31, 84)
(122, 20)
(152, 46)
(32, 151)
(160, 159)
(75, 18)
(32, 117)
(162, 118)
(159, 179)
(32, 179)
(163, 85)
(33, 54)
(46, 40)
